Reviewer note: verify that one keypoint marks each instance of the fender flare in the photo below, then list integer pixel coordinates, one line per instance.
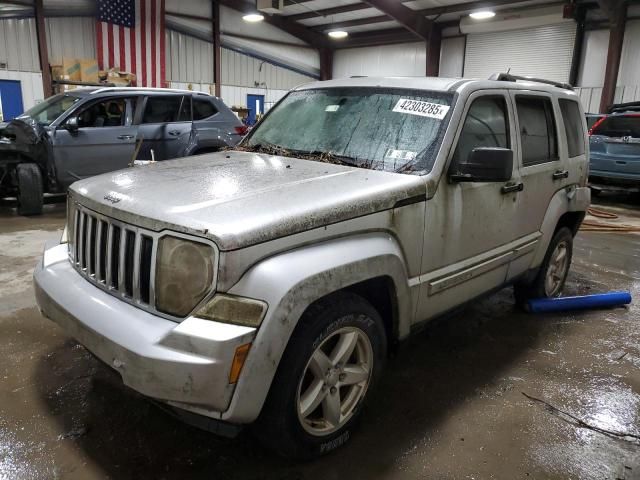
(289, 283)
(570, 199)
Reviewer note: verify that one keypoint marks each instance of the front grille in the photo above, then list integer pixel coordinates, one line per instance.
(114, 255)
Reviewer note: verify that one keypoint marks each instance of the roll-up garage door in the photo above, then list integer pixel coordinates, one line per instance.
(543, 52)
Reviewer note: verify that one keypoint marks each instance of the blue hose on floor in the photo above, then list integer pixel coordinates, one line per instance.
(583, 302)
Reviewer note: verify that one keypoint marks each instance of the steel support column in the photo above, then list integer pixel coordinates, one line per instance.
(617, 20)
(43, 51)
(217, 51)
(326, 63)
(433, 51)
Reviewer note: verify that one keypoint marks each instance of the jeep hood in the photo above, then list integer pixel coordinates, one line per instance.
(240, 198)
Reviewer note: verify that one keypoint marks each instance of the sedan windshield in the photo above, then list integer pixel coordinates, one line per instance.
(46, 112)
(381, 129)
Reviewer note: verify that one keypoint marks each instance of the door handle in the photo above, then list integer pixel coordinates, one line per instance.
(558, 174)
(512, 187)
(174, 133)
(125, 137)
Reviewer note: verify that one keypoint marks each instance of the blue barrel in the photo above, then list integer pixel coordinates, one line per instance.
(583, 302)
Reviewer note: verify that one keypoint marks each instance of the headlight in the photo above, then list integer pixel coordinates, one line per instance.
(236, 310)
(184, 274)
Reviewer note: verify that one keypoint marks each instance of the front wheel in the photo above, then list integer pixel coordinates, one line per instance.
(553, 272)
(30, 195)
(331, 363)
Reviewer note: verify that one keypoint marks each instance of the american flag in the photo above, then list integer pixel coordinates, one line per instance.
(130, 37)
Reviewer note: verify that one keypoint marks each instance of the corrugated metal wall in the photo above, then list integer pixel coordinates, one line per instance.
(544, 52)
(70, 37)
(402, 59)
(244, 71)
(19, 44)
(190, 60)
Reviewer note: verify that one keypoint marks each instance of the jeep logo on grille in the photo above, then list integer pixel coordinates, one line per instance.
(112, 197)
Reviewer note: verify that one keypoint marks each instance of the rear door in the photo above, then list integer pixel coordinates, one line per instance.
(615, 147)
(104, 141)
(165, 126)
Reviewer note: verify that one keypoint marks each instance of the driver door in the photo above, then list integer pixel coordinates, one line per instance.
(471, 233)
(104, 140)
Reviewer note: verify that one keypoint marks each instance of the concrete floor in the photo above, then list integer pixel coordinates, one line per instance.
(450, 406)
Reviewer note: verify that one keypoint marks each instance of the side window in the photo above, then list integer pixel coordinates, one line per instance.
(108, 113)
(203, 108)
(162, 109)
(537, 130)
(573, 126)
(185, 110)
(486, 125)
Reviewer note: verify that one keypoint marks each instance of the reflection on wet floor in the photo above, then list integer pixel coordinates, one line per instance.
(450, 404)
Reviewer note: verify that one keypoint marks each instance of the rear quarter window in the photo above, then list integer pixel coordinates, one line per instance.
(573, 126)
(203, 108)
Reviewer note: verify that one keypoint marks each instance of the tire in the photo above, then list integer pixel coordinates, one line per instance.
(541, 287)
(342, 318)
(30, 195)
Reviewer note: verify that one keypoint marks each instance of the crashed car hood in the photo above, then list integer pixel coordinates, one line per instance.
(239, 198)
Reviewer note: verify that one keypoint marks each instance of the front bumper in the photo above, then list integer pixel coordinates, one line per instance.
(184, 364)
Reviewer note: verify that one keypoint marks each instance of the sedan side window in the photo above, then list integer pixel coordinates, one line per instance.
(108, 113)
(486, 125)
(537, 130)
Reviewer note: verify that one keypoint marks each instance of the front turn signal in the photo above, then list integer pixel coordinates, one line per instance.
(238, 361)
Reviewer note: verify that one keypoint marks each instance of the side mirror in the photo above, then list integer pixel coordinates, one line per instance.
(71, 125)
(485, 164)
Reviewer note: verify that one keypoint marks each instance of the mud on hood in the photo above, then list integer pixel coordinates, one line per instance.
(239, 198)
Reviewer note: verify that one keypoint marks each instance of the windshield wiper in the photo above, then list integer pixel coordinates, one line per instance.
(330, 157)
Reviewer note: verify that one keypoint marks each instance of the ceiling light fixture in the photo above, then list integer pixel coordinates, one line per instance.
(482, 14)
(253, 17)
(338, 34)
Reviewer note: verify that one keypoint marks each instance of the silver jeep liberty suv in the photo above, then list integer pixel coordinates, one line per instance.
(268, 283)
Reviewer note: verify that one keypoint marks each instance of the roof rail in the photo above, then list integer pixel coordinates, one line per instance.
(507, 77)
(624, 107)
(145, 89)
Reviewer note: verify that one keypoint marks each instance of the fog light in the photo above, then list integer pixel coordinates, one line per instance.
(236, 310)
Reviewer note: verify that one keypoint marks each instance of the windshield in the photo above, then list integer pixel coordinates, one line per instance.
(382, 129)
(618, 126)
(46, 112)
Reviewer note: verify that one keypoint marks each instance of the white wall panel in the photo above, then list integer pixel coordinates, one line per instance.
(30, 84)
(452, 57)
(19, 44)
(188, 59)
(630, 60)
(544, 52)
(73, 37)
(593, 58)
(405, 59)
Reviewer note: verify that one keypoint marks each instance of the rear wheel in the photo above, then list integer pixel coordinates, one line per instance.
(330, 365)
(553, 272)
(30, 194)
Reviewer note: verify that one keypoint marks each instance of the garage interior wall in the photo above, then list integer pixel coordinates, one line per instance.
(544, 51)
(73, 37)
(190, 66)
(19, 58)
(403, 59)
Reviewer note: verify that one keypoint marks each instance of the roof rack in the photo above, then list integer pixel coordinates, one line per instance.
(624, 107)
(507, 77)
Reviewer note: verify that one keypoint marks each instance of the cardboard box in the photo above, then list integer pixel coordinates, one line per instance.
(89, 70)
(71, 68)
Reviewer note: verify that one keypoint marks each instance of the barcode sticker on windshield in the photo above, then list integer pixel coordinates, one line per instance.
(423, 109)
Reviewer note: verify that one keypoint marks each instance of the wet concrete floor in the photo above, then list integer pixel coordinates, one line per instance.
(450, 405)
